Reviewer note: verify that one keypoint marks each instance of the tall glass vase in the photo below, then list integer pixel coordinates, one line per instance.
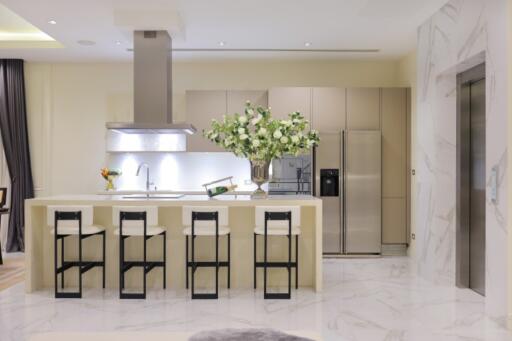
(259, 175)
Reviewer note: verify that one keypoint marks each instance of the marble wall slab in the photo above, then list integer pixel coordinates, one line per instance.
(453, 39)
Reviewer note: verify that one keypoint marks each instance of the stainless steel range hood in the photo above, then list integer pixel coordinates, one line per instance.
(152, 63)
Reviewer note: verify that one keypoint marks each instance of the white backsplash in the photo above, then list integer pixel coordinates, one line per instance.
(180, 171)
(122, 142)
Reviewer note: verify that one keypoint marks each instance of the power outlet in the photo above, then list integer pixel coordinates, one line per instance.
(413, 236)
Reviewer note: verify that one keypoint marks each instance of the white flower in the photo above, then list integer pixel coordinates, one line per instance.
(286, 123)
(214, 135)
(262, 131)
(244, 137)
(295, 139)
(256, 119)
(250, 112)
(277, 134)
(241, 131)
(242, 119)
(256, 143)
(284, 139)
(296, 120)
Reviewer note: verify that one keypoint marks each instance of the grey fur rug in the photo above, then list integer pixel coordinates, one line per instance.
(245, 335)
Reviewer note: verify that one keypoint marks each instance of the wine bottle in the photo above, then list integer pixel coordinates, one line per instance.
(220, 190)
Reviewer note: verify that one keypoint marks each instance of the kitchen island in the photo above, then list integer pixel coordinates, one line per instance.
(39, 242)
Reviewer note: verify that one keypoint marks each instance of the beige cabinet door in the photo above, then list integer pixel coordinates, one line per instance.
(363, 108)
(202, 107)
(394, 142)
(329, 109)
(284, 101)
(237, 99)
(394, 217)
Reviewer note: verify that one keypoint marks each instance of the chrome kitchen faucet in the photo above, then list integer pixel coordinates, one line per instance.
(148, 183)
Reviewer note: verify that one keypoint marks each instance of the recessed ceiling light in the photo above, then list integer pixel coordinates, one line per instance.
(52, 22)
(307, 44)
(86, 42)
(118, 42)
(222, 43)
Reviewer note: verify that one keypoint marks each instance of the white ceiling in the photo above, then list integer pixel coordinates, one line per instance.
(387, 25)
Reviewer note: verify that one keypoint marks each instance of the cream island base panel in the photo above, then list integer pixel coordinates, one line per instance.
(39, 244)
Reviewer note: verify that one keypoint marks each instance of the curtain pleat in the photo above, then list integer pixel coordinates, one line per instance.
(5, 181)
(13, 125)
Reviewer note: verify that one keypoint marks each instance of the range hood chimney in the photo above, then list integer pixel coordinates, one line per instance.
(152, 87)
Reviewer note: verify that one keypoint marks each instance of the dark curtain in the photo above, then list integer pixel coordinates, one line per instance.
(13, 126)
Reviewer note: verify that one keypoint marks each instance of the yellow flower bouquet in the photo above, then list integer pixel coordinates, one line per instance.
(110, 175)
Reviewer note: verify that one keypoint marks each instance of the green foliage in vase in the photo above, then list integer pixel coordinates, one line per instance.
(255, 135)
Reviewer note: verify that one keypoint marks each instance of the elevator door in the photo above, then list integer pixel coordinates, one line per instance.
(477, 187)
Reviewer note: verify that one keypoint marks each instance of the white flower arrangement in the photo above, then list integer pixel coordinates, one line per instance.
(255, 135)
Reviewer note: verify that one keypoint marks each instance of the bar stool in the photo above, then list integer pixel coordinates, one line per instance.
(73, 221)
(135, 221)
(277, 221)
(206, 221)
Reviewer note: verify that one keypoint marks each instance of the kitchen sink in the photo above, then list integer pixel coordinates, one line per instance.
(153, 196)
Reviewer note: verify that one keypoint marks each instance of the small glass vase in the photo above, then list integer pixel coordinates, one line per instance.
(259, 176)
(110, 183)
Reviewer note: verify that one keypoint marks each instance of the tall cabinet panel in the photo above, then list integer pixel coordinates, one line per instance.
(237, 98)
(329, 110)
(394, 138)
(363, 108)
(284, 101)
(202, 107)
(394, 165)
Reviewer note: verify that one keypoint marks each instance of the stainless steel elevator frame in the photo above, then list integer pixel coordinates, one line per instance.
(463, 194)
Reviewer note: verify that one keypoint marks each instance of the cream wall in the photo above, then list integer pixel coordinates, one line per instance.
(69, 103)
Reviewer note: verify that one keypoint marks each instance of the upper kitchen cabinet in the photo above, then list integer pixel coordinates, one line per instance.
(202, 107)
(236, 100)
(363, 108)
(284, 101)
(329, 109)
(394, 142)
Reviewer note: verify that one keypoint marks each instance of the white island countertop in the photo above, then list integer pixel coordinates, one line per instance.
(236, 200)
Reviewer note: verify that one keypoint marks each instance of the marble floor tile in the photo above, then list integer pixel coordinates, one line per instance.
(363, 299)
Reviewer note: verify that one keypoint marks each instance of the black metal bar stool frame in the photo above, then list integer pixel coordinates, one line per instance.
(269, 216)
(194, 265)
(147, 266)
(83, 266)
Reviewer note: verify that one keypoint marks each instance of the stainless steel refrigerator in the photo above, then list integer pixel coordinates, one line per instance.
(348, 180)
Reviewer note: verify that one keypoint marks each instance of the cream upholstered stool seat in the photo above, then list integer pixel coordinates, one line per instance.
(136, 228)
(73, 230)
(138, 221)
(206, 221)
(139, 232)
(73, 221)
(274, 221)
